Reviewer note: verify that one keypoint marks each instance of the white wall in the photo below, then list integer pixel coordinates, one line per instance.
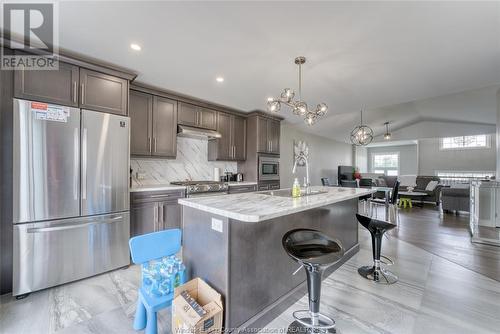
(325, 155)
(408, 157)
(432, 159)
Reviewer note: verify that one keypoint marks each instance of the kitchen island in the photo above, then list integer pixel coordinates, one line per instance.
(234, 243)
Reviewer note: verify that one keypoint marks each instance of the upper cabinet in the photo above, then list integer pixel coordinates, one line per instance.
(192, 115)
(268, 135)
(153, 125)
(102, 92)
(232, 144)
(164, 127)
(59, 87)
(73, 86)
(141, 123)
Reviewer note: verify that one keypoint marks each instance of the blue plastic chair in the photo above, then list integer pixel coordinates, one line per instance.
(145, 248)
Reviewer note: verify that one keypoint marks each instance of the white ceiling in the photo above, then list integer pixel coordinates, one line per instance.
(360, 54)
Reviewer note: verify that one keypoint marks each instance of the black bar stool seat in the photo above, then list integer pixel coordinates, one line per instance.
(314, 251)
(377, 228)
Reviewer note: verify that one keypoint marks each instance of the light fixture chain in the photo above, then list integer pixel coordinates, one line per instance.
(300, 82)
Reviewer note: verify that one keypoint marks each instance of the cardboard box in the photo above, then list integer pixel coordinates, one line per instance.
(197, 308)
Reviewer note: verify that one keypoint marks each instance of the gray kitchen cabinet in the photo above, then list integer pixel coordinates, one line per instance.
(232, 145)
(59, 87)
(237, 189)
(192, 115)
(268, 135)
(273, 134)
(239, 137)
(141, 123)
(155, 211)
(153, 125)
(164, 127)
(103, 92)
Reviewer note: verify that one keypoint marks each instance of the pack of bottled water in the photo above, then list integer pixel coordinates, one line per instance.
(160, 277)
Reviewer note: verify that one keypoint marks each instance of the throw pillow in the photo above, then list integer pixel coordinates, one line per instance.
(408, 180)
(381, 182)
(431, 186)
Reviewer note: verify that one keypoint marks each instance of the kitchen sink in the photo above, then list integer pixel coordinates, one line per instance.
(288, 193)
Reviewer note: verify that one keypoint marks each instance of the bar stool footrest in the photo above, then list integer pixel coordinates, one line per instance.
(305, 318)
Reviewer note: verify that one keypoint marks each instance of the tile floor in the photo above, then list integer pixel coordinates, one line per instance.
(433, 295)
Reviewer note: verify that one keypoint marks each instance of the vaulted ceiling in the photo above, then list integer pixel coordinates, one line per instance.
(380, 56)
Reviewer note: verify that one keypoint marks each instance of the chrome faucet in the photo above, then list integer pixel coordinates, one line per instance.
(303, 157)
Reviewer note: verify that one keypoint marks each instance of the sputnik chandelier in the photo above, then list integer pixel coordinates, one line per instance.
(361, 135)
(299, 107)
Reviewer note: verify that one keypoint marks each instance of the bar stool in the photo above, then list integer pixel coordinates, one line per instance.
(315, 252)
(377, 229)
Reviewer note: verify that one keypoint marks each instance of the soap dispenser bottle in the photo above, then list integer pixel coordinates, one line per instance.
(296, 188)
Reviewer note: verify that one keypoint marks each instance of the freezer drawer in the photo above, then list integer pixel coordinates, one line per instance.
(56, 252)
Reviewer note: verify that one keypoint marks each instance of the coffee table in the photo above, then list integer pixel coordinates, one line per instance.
(405, 198)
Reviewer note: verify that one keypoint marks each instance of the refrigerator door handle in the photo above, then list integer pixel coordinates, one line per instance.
(76, 158)
(72, 226)
(84, 164)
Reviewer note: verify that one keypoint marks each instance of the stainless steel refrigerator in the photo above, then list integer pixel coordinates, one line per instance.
(71, 194)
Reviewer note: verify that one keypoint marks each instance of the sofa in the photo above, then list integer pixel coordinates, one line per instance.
(421, 182)
(456, 198)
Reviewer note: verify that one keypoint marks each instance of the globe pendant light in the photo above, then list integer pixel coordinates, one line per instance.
(361, 135)
(387, 135)
(299, 107)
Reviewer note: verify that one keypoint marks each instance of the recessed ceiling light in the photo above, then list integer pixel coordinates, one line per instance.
(219, 79)
(135, 47)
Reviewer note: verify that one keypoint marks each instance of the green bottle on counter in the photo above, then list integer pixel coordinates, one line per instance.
(296, 188)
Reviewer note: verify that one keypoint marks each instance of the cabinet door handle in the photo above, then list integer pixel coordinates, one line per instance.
(83, 93)
(155, 218)
(161, 219)
(75, 93)
(155, 144)
(149, 144)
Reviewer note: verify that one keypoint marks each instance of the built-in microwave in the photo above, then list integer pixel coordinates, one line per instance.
(269, 168)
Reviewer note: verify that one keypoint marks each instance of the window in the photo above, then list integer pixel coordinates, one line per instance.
(385, 163)
(465, 142)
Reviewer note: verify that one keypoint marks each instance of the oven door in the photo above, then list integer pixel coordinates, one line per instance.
(269, 168)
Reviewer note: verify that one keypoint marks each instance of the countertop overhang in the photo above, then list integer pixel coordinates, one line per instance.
(257, 206)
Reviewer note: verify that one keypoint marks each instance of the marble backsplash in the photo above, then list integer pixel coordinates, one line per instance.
(191, 164)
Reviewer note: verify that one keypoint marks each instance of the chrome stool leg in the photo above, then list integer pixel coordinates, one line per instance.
(312, 321)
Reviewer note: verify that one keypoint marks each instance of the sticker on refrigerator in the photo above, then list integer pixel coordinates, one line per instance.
(49, 112)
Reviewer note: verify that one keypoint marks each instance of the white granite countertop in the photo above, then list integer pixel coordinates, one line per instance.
(242, 183)
(159, 187)
(256, 206)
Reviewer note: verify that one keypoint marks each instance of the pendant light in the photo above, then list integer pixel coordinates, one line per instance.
(361, 135)
(299, 107)
(387, 135)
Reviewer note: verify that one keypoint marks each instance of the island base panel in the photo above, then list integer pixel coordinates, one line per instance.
(246, 262)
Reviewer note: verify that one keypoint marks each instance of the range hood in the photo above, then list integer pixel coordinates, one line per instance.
(192, 132)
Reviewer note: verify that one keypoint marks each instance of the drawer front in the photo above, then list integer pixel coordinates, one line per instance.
(242, 189)
(157, 196)
(56, 252)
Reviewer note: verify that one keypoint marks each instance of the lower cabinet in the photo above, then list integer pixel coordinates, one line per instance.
(268, 185)
(155, 211)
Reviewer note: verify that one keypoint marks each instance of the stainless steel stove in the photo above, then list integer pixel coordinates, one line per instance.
(203, 188)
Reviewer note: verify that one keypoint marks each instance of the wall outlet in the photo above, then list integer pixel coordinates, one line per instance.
(217, 225)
